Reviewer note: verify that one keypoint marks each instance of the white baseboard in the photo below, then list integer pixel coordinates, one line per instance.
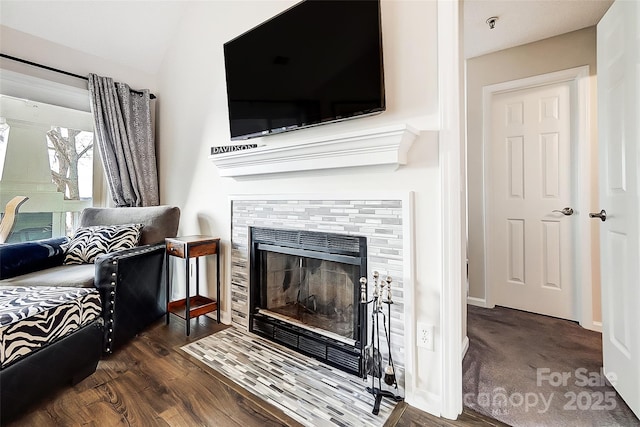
(425, 401)
(479, 302)
(592, 325)
(465, 346)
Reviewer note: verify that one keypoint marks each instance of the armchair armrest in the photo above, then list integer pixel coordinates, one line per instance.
(131, 283)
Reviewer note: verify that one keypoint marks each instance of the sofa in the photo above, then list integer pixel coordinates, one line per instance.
(106, 283)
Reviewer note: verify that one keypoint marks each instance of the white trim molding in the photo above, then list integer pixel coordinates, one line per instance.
(596, 326)
(465, 346)
(478, 302)
(451, 149)
(382, 146)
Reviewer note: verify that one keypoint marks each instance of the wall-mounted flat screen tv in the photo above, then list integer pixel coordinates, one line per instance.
(318, 62)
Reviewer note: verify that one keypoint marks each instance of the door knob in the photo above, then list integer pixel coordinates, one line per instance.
(602, 215)
(565, 211)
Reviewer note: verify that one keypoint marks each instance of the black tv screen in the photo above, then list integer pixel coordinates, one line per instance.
(317, 62)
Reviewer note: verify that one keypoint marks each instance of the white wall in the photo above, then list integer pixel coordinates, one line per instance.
(566, 51)
(36, 49)
(193, 117)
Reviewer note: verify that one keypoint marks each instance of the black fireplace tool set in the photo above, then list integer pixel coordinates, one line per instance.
(371, 356)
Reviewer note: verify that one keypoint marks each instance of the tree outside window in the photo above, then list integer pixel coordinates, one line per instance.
(71, 160)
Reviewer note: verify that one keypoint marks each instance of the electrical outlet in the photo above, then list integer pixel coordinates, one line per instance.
(425, 336)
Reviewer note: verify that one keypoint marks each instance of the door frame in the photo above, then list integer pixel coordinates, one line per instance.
(581, 177)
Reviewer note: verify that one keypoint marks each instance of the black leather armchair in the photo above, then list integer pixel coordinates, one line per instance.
(131, 281)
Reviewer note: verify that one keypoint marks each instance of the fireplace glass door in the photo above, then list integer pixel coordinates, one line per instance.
(316, 293)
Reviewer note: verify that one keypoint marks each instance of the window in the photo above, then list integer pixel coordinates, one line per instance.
(46, 154)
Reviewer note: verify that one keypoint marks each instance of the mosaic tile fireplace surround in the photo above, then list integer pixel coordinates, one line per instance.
(379, 221)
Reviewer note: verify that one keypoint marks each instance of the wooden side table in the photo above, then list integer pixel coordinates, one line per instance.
(192, 305)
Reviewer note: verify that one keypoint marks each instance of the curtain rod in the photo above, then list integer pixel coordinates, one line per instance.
(67, 73)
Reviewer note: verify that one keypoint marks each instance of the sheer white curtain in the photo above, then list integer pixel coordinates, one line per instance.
(125, 140)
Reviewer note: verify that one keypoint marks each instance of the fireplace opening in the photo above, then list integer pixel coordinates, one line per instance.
(305, 293)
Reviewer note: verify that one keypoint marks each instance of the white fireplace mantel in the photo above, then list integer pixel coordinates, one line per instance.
(382, 146)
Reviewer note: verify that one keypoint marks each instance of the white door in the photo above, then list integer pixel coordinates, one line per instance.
(618, 138)
(530, 239)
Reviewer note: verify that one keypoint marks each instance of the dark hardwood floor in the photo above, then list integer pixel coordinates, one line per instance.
(150, 382)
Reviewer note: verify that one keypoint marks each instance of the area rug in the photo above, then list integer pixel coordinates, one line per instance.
(528, 370)
(307, 390)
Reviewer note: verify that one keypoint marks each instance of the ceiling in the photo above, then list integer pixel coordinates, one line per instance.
(136, 33)
(524, 21)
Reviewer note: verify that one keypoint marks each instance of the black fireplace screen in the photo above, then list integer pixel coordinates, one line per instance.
(305, 293)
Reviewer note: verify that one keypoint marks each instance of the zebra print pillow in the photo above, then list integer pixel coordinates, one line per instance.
(90, 242)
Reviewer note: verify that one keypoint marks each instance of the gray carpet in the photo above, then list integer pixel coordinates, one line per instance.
(529, 370)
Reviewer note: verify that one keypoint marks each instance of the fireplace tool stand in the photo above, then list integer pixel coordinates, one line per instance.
(371, 356)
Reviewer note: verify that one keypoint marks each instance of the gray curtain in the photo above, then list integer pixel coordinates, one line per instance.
(123, 134)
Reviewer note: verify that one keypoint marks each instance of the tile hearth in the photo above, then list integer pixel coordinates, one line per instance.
(308, 391)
